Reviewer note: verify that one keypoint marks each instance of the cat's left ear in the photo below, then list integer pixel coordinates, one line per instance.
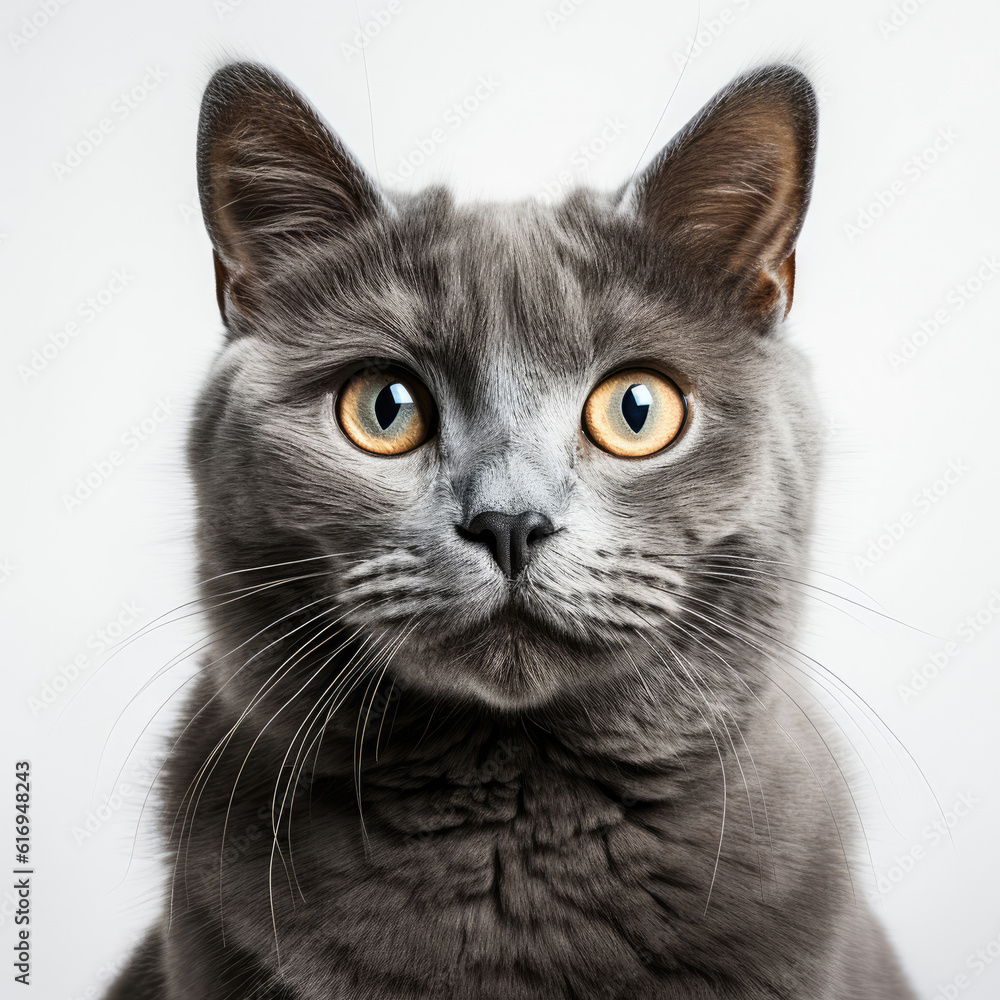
(728, 195)
(275, 182)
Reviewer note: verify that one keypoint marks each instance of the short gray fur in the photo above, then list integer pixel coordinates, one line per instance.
(590, 780)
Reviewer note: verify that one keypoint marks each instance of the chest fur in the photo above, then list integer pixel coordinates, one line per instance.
(504, 881)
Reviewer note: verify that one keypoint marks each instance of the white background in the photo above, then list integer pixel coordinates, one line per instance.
(888, 91)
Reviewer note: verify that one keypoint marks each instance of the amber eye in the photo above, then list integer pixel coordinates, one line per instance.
(634, 413)
(386, 410)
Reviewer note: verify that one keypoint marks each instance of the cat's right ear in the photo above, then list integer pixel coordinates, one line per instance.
(274, 181)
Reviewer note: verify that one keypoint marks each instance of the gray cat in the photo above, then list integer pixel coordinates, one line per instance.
(500, 509)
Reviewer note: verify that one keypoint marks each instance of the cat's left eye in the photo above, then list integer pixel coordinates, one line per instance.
(387, 411)
(635, 413)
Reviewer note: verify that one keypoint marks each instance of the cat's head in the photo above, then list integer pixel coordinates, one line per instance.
(527, 450)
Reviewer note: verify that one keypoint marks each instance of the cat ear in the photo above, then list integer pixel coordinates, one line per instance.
(274, 181)
(729, 193)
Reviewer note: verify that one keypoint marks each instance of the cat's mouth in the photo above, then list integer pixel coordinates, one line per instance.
(523, 614)
(521, 617)
(515, 657)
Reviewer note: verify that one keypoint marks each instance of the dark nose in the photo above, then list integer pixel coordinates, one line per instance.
(509, 536)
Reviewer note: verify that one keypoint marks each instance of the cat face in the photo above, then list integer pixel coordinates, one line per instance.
(527, 450)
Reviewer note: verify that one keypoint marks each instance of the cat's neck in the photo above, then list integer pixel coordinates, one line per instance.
(504, 820)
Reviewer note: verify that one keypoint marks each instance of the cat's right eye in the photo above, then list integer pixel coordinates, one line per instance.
(386, 411)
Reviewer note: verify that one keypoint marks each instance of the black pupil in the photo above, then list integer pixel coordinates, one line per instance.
(635, 406)
(389, 402)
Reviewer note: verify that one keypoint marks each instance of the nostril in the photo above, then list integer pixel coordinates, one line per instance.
(537, 526)
(508, 536)
(479, 533)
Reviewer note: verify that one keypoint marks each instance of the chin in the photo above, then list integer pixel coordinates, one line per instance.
(510, 663)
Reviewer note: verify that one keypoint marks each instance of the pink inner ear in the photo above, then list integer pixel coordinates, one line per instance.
(771, 286)
(786, 276)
